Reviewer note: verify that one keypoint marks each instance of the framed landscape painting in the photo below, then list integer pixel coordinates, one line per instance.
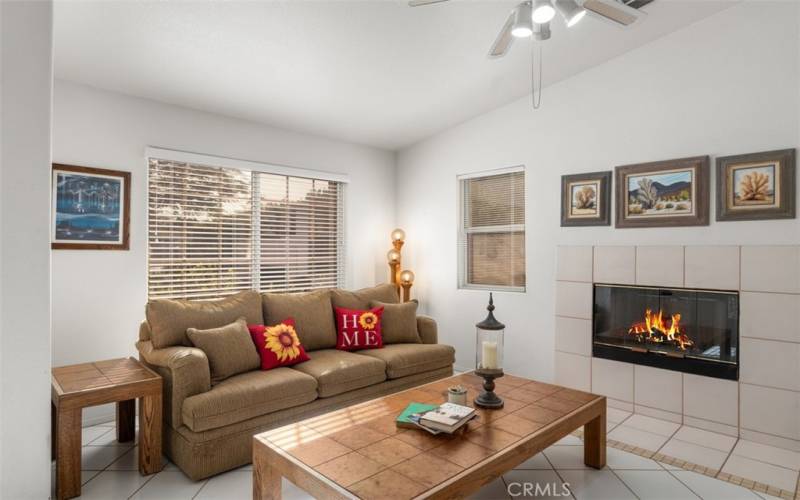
(756, 186)
(585, 199)
(90, 208)
(663, 193)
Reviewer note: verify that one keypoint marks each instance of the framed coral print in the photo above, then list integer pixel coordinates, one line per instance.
(585, 199)
(756, 186)
(90, 208)
(663, 193)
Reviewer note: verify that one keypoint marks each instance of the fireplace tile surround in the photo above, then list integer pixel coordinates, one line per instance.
(763, 406)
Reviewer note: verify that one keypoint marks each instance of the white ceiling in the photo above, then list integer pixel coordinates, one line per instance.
(371, 72)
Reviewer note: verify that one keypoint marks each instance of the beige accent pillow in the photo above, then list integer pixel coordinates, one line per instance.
(399, 322)
(312, 314)
(170, 318)
(230, 349)
(360, 299)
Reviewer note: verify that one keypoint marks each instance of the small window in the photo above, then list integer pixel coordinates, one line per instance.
(492, 230)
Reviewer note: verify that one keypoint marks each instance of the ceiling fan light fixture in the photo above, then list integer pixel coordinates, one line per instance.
(541, 32)
(523, 23)
(543, 11)
(570, 11)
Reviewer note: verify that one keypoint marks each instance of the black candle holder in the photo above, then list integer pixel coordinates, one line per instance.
(487, 398)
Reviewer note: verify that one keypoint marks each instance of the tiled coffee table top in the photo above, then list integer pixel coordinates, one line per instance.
(362, 450)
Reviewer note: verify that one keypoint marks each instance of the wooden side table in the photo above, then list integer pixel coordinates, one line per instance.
(118, 381)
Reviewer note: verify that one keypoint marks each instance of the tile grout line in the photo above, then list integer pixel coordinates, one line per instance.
(730, 454)
(614, 473)
(571, 493)
(672, 473)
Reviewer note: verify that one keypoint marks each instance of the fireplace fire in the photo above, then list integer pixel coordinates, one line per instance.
(655, 329)
(694, 331)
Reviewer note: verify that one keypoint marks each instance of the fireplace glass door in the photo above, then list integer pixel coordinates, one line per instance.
(695, 331)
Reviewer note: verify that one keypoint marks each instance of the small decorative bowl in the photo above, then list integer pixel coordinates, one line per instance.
(457, 395)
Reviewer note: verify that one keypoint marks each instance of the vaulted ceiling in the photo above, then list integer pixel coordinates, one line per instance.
(371, 72)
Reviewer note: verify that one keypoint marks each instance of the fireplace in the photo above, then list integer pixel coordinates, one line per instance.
(693, 331)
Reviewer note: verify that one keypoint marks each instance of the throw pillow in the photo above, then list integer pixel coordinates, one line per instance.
(358, 329)
(399, 322)
(228, 348)
(278, 345)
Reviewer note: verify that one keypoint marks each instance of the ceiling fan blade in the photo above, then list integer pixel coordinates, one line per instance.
(419, 3)
(504, 39)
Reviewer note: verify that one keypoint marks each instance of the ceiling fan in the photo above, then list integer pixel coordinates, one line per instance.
(531, 18)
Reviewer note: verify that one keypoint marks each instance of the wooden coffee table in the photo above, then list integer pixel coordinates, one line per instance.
(118, 381)
(358, 452)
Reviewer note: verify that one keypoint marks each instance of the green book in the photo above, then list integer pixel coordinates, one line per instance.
(403, 421)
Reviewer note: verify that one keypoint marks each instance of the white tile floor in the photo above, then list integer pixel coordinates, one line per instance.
(110, 470)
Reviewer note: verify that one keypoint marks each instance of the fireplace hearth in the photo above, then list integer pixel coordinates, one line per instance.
(681, 329)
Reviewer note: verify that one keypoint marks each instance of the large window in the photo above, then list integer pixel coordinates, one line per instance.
(492, 230)
(214, 231)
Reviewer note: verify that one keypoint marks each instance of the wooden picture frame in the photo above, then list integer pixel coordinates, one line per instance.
(669, 193)
(593, 192)
(90, 208)
(756, 186)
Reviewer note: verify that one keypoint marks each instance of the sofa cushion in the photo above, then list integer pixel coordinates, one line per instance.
(360, 299)
(229, 349)
(357, 329)
(403, 360)
(246, 396)
(341, 371)
(278, 345)
(169, 318)
(312, 313)
(399, 322)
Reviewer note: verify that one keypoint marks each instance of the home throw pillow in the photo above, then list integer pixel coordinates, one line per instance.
(228, 348)
(278, 345)
(357, 329)
(399, 322)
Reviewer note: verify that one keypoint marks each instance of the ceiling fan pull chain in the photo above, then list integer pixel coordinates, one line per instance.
(536, 100)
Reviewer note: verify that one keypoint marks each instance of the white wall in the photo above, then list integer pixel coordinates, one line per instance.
(26, 61)
(726, 85)
(99, 296)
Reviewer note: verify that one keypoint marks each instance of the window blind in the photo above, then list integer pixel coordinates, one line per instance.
(214, 231)
(492, 231)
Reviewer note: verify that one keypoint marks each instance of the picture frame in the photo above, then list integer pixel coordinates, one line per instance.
(756, 186)
(90, 208)
(586, 199)
(668, 193)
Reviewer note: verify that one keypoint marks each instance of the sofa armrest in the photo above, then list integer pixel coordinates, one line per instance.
(428, 331)
(185, 371)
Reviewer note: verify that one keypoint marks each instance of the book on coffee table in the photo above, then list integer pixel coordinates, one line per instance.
(409, 417)
(448, 417)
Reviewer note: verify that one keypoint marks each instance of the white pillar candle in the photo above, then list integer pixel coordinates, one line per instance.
(489, 355)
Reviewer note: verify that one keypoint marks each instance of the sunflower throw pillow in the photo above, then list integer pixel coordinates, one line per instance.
(356, 329)
(278, 345)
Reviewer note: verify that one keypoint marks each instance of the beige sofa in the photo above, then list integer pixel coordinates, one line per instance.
(208, 428)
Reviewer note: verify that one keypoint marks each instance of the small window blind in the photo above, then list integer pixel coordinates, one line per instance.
(492, 231)
(214, 231)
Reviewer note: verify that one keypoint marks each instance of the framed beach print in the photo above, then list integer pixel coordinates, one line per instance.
(756, 186)
(585, 199)
(90, 208)
(663, 193)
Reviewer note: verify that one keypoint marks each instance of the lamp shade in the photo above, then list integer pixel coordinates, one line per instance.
(543, 11)
(398, 235)
(523, 23)
(406, 276)
(570, 11)
(393, 256)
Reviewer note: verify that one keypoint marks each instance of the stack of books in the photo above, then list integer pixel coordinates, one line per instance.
(436, 419)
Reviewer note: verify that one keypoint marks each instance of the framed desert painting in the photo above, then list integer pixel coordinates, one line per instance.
(663, 193)
(756, 186)
(91, 208)
(585, 199)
